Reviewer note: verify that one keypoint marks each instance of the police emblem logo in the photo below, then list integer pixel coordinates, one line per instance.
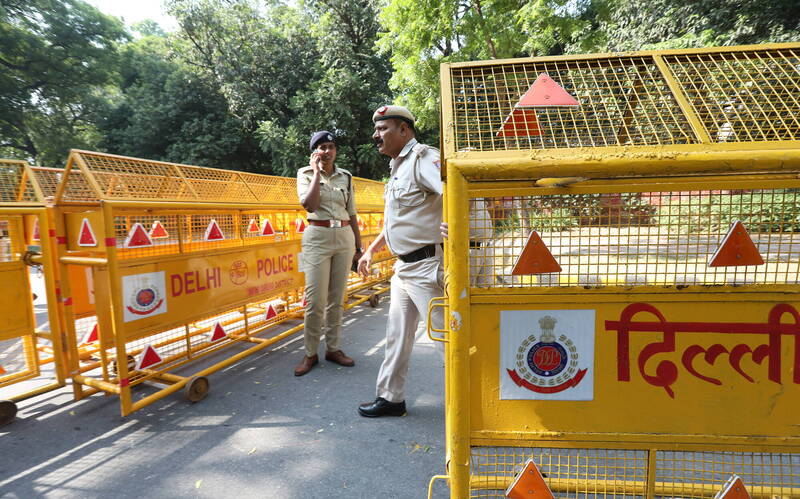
(548, 364)
(144, 294)
(145, 300)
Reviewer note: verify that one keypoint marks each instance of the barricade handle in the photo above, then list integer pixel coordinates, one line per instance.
(436, 302)
(433, 479)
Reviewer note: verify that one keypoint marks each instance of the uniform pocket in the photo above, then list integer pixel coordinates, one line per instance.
(409, 195)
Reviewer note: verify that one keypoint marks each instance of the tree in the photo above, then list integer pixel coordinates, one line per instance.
(422, 34)
(54, 54)
(352, 82)
(677, 24)
(164, 111)
(286, 71)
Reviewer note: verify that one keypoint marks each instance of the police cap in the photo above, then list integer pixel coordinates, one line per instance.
(320, 137)
(393, 112)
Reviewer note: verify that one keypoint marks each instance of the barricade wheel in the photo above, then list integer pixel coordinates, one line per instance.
(8, 411)
(374, 300)
(196, 389)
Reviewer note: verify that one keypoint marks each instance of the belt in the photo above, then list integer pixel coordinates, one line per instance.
(474, 244)
(420, 254)
(329, 223)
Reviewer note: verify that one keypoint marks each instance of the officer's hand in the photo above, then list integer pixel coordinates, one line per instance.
(444, 229)
(364, 263)
(315, 162)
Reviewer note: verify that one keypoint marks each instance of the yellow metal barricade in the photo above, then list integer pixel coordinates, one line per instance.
(634, 331)
(26, 239)
(182, 262)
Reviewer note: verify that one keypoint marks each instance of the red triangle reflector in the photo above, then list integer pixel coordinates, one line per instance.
(137, 237)
(217, 333)
(35, 236)
(267, 229)
(91, 336)
(535, 258)
(148, 357)
(361, 224)
(270, 313)
(299, 225)
(158, 231)
(213, 232)
(546, 92)
(252, 226)
(736, 249)
(529, 484)
(2, 370)
(733, 489)
(305, 302)
(86, 236)
(520, 123)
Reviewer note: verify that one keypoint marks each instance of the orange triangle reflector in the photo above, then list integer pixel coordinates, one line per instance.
(2, 370)
(546, 92)
(86, 237)
(535, 258)
(137, 237)
(529, 484)
(148, 357)
(520, 123)
(157, 231)
(270, 313)
(736, 249)
(267, 229)
(217, 333)
(91, 336)
(252, 226)
(213, 232)
(733, 489)
(35, 231)
(299, 225)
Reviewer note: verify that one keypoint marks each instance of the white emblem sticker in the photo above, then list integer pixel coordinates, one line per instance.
(547, 354)
(144, 294)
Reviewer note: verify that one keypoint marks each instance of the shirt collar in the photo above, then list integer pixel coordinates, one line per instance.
(403, 152)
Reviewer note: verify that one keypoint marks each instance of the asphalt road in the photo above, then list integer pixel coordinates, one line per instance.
(260, 432)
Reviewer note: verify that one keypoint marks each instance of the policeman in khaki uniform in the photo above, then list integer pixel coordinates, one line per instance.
(412, 215)
(329, 244)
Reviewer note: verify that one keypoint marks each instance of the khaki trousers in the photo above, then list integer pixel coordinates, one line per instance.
(327, 257)
(412, 287)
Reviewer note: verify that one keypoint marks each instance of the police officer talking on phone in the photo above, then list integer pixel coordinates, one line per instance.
(331, 243)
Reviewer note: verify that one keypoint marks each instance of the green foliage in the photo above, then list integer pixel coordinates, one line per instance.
(663, 24)
(286, 72)
(759, 211)
(164, 111)
(56, 55)
(419, 35)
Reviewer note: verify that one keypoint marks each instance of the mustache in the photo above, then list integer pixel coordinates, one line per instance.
(377, 142)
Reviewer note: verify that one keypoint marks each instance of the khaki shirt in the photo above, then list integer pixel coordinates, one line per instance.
(413, 199)
(335, 202)
(481, 227)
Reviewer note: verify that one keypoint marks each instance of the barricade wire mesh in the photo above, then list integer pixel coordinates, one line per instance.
(16, 359)
(624, 101)
(582, 472)
(738, 95)
(636, 238)
(15, 186)
(743, 96)
(48, 180)
(12, 241)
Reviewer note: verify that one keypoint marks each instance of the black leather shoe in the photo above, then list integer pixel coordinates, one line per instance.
(382, 407)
